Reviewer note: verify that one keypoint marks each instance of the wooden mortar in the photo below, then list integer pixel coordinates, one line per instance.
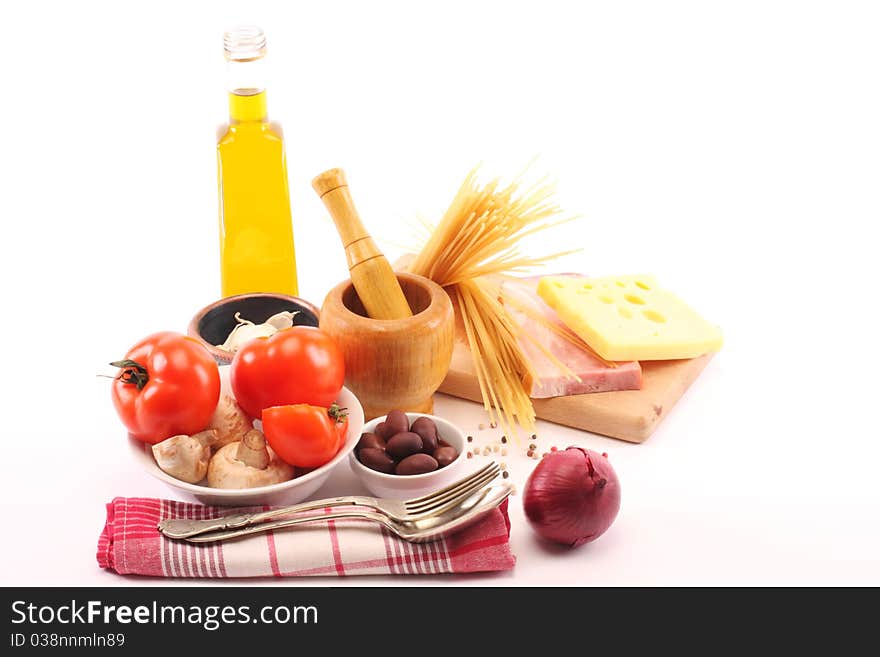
(393, 363)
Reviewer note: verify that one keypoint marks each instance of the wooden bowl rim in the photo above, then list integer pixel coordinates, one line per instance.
(227, 356)
(437, 293)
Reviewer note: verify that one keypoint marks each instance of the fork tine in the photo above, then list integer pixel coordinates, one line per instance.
(486, 475)
(444, 504)
(465, 488)
(455, 484)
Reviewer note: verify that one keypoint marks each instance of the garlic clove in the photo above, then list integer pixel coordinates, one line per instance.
(230, 339)
(245, 330)
(244, 333)
(249, 332)
(282, 320)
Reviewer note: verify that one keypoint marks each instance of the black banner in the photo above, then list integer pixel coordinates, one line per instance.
(232, 618)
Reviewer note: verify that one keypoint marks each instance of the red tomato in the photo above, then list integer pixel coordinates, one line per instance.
(168, 384)
(305, 436)
(299, 365)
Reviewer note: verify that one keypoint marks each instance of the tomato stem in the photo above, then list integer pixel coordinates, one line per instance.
(337, 412)
(133, 373)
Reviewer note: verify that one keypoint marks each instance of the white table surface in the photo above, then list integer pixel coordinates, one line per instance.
(729, 150)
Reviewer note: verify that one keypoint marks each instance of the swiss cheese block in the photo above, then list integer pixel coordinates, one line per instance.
(629, 318)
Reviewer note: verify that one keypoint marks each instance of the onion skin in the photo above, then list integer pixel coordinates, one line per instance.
(572, 496)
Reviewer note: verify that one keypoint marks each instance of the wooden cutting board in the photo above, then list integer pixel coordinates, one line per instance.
(630, 415)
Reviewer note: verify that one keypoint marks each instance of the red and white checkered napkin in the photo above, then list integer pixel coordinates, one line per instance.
(131, 544)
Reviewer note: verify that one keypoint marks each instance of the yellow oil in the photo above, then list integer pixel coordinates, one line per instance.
(256, 234)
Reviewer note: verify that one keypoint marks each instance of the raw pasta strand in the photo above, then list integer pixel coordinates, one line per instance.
(478, 237)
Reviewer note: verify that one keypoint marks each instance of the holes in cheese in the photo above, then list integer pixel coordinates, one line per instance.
(654, 316)
(631, 318)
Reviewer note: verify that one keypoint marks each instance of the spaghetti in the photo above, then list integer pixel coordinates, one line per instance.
(474, 243)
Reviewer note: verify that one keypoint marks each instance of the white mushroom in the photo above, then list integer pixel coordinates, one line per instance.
(185, 457)
(230, 421)
(248, 463)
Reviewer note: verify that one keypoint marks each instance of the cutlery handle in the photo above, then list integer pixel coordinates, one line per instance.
(213, 537)
(348, 500)
(185, 528)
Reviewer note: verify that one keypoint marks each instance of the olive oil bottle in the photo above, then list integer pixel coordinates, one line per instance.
(256, 233)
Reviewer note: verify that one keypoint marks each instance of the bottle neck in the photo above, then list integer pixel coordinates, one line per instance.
(247, 106)
(246, 83)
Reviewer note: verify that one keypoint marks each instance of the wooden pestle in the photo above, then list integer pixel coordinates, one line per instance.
(371, 273)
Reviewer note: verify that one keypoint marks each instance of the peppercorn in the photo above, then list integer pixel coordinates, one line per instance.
(504, 439)
(505, 474)
(470, 439)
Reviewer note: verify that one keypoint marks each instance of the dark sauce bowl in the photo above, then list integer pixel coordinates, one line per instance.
(213, 323)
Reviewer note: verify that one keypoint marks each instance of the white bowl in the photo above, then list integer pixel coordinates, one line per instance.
(402, 487)
(287, 492)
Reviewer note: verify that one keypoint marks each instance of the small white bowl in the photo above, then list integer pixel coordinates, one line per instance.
(287, 492)
(402, 487)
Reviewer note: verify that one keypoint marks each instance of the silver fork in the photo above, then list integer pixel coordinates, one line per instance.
(422, 528)
(398, 510)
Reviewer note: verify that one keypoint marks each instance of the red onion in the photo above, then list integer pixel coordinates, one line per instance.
(572, 496)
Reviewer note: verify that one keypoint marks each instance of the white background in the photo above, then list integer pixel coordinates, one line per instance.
(732, 149)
